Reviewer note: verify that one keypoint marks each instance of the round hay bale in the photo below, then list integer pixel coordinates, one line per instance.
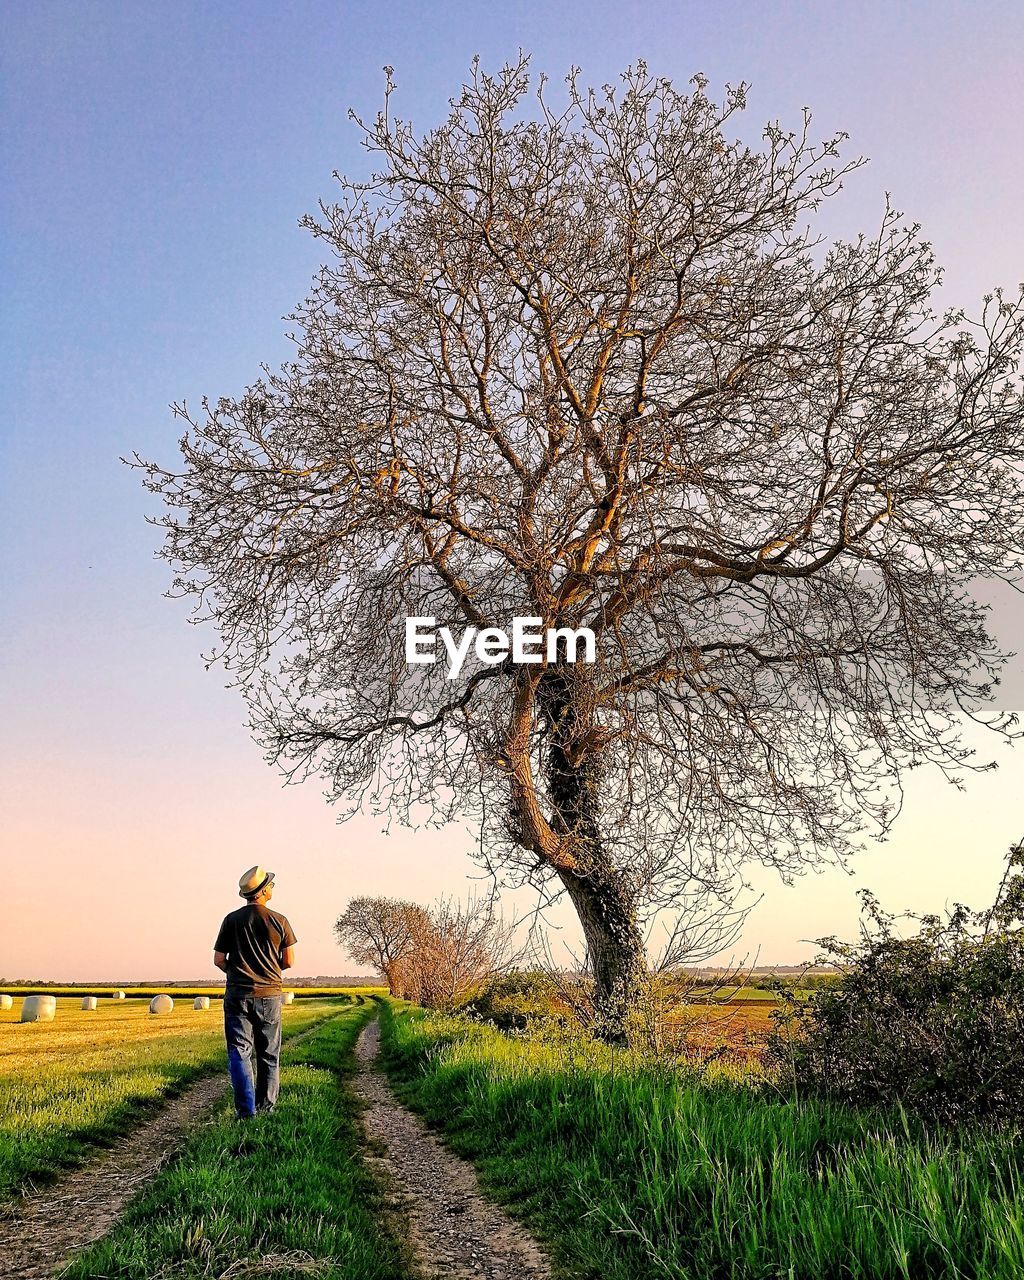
(89, 1002)
(117, 995)
(38, 1008)
(287, 997)
(161, 1004)
(201, 1002)
(6, 1002)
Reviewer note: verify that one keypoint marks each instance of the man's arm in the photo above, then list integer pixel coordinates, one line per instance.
(288, 941)
(223, 944)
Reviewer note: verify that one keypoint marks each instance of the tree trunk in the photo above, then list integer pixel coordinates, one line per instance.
(602, 894)
(617, 956)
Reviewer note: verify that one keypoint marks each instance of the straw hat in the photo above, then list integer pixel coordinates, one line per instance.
(253, 880)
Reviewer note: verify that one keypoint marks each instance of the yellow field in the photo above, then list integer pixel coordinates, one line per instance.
(71, 1082)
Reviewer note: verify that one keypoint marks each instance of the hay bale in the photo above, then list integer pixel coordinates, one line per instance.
(89, 1002)
(6, 1003)
(201, 1002)
(38, 1008)
(287, 997)
(161, 1004)
(117, 995)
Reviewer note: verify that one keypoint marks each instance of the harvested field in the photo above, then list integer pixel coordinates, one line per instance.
(736, 1029)
(79, 1081)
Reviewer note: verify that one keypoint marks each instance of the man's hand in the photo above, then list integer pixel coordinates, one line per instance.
(287, 957)
(220, 959)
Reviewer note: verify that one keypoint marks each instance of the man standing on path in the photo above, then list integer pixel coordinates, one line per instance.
(253, 946)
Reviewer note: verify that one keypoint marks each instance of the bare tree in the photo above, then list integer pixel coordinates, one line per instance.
(431, 956)
(382, 932)
(466, 944)
(412, 975)
(590, 363)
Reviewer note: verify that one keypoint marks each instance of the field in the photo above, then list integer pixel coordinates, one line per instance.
(690, 1168)
(734, 1030)
(68, 1084)
(148, 989)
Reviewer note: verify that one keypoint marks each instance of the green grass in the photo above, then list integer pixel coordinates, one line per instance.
(633, 1170)
(739, 995)
(70, 1084)
(267, 1197)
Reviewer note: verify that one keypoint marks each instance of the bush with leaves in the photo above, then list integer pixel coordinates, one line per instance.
(934, 1021)
(521, 1000)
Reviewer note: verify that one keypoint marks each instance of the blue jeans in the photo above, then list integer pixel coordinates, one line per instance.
(252, 1028)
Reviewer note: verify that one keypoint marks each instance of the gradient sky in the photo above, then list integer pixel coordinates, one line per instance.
(156, 161)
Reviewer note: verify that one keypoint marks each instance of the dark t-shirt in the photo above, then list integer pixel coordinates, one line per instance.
(253, 938)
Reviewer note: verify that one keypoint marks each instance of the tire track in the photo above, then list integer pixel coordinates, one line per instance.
(48, 1227)
(453, 1230)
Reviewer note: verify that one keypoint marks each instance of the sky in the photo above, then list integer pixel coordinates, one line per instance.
(157, 159)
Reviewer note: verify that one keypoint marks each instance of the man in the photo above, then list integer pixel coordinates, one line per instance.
(253, 946)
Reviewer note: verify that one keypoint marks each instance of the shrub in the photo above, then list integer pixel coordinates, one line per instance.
(934, 1021)
(518, 1001)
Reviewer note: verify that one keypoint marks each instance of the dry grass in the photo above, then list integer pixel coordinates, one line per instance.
(736, 1030)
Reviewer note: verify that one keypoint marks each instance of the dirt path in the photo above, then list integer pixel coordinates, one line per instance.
(47, 1228)
(454, 1232)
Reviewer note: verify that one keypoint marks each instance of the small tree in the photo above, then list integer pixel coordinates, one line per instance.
(592, 365)
(433, 957)
(382, 932)
(467, 944)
